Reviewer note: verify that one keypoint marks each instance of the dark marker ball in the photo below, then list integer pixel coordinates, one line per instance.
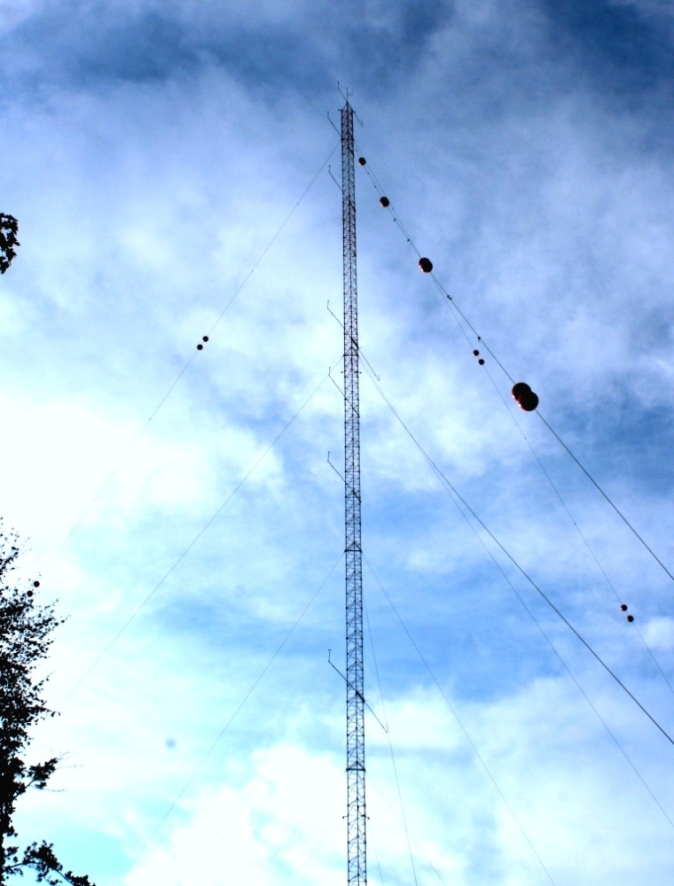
(384, 201)
(525, 397)
(528, 402)
(623, 606)
(200, 347)
(36, 584)
(520, 389)
(630, 618)
(362, 161)
(426, 265)
(205, 338)
(481, 361)
(476, 353)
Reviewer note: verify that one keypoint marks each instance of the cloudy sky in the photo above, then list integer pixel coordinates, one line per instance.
(170, 166)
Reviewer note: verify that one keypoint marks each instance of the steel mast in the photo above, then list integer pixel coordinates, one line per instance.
(355, 698)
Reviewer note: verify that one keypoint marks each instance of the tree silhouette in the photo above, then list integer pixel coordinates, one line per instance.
(26, 628)
(9, 228)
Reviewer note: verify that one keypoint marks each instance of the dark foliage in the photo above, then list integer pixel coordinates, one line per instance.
(26, 628)
(9, 228)
(48, 868)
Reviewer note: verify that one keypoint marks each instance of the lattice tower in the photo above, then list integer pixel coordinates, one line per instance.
(355, 699)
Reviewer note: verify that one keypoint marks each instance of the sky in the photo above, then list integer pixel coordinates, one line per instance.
(174, 167)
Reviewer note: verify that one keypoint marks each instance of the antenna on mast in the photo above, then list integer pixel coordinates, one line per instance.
(355, 691)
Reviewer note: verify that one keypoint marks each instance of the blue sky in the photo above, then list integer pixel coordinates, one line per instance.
(151, 152)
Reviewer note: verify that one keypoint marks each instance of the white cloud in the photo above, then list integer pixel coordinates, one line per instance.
(659, 632)
(278, 821)
(144, 203)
